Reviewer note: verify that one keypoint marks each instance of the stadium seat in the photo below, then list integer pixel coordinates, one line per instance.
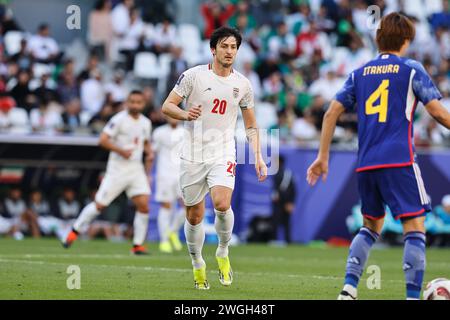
(12, 41)
(146, 66)
(164, 64)
(189, 36)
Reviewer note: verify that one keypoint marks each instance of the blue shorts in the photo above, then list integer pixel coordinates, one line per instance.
(401, 189)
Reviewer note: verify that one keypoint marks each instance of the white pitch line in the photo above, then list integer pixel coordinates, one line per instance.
(243, 273)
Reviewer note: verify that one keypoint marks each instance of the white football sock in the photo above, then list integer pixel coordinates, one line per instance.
(164, 224)
(195, 237)
(140, 225)
(224, 227)
(178, 220)
(86, 216)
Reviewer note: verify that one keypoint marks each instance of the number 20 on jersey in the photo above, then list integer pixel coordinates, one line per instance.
(219, 107)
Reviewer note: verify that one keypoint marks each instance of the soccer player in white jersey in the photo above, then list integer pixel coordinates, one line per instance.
(214, 94)
(166, 143)
(127, 137)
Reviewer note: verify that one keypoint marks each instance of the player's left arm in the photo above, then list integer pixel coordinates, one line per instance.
(439, 113)
(252, 132)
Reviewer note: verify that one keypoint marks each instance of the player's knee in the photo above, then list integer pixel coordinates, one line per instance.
(374, 225)
(222, 205)
(414, 225)
(143, 208)
(194, 215)
(99, 206)
(166, 205)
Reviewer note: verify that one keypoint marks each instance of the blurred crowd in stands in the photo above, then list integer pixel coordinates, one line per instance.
(35, 215)
(296, 53)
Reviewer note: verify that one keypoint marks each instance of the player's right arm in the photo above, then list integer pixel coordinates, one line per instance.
(105, 142)
(171, 108)
(182, 89)
(320, 166)
(439, 113)
(345, 100)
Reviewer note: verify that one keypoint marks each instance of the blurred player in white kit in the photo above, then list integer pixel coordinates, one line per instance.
(167, 141)
(127, 137)
(214, 94)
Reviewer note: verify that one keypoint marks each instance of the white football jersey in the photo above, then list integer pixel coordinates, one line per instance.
(167, 143)
(211, 136)
(129, 134)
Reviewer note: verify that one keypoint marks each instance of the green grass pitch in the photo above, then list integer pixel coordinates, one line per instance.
(37, 269)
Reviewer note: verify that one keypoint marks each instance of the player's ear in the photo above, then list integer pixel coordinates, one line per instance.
(213, 51)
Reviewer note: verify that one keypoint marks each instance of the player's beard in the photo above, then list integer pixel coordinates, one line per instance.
(134, 112)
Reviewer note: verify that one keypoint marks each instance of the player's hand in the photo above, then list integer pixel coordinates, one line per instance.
(261, 169)
(126, 153)
(193, 113)
(316, 169)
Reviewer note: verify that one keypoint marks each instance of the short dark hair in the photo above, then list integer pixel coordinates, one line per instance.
(394, 30)
(136, 91)
(43, 26)
(224, 32)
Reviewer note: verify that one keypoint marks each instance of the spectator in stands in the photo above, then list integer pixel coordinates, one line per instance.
(215, 15)
(42, 47)
(12, 119)
(254, 79)
(45, 87)
(283, 200)
(443, 217)
(273, 85)
(39, 207)
(100, 30)
(117, 88)
(67, 83)
(7, 226)
(23, 219)
(327, 86)
(120, 20)
(177, 66)
(131, 40)
(45, 119)
(92, 93)
(92, 65)
(99, 120)
(165, 37)
(282, 44)
(21, 91)
(243, 19)
(304, 129)
(312, 40)
(71, 117)
(120, 17)
(67, 208)
(23, 57)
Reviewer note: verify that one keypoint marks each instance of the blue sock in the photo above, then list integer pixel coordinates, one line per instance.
(414, 263)
(359, 252)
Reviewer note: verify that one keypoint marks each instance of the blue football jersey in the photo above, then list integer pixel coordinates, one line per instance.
(385, 92)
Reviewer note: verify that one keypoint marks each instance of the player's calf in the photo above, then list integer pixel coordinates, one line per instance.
(357, 258)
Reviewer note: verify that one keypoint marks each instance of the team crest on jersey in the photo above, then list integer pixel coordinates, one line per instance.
(235, 92)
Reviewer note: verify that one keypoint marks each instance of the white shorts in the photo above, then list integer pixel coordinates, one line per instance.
(196, 179)
(167, 189)
(131, 179)
(5, 225)
(49, 224)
